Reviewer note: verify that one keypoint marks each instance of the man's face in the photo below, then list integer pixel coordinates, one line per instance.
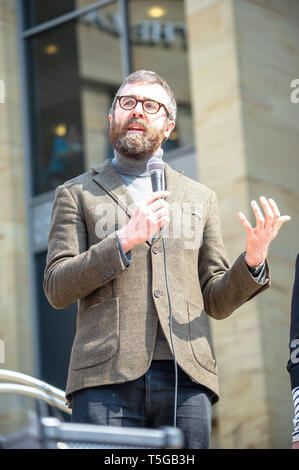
(135, 133)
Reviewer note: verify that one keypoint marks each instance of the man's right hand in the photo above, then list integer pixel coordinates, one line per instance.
(147, 219)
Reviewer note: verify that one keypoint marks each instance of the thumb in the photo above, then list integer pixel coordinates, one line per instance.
(280, 222)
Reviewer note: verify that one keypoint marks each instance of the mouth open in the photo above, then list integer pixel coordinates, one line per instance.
(135, 128)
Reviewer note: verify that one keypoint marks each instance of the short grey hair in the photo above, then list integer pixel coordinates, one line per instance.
(148, 76)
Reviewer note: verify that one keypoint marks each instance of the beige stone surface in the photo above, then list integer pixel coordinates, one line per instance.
(243, 56)
(15, 309)
(95, 124)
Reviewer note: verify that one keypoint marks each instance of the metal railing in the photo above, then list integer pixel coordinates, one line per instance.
(50, 433)
(32, 387)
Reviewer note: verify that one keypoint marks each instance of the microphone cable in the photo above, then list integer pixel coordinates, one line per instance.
(171, 330)
(155, 168)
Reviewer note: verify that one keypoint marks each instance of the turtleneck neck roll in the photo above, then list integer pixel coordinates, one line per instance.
(131, 166)
(134, 174)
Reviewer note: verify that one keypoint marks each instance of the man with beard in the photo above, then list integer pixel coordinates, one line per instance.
(106, 252)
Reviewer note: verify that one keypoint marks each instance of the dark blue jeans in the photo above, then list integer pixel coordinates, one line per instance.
(148, 402)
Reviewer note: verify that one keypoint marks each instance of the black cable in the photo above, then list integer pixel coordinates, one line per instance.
(170, 328)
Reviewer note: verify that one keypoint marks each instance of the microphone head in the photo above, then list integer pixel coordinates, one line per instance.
(155, 164)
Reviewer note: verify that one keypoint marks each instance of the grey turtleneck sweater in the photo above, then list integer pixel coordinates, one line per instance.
(136, 178)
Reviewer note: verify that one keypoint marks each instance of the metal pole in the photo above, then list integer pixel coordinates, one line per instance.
(125, 38)
(27, 149)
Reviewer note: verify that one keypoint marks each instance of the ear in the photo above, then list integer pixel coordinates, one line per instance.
(169, 128)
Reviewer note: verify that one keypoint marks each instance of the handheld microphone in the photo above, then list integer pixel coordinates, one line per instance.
(155, 168)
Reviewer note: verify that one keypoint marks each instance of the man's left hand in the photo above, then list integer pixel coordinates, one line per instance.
(258, 239)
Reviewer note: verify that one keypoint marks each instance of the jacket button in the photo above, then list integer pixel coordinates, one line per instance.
(155, 250)
(157, 293)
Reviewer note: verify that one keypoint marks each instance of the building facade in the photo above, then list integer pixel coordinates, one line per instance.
(231, 64)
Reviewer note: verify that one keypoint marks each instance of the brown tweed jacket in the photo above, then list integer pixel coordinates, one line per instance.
(119, 306)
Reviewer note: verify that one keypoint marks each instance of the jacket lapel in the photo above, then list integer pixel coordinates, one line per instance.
(107, 177)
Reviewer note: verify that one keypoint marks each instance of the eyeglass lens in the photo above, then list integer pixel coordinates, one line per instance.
(148, 105)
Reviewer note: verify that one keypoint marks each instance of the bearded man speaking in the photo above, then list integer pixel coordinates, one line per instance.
(106, 252)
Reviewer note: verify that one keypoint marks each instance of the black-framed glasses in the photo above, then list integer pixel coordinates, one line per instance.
(149, 106)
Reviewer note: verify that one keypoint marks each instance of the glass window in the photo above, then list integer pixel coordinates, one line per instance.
(76, 69)
(40, 11)
(159, 42)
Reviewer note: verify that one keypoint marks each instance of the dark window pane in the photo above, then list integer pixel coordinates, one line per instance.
(75, 69)
(40, 11)
(158, 36)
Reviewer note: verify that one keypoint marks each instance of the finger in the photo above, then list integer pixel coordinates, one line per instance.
(157, 204)
(163, 220)
(163, 212)
(275, 211)
(245, 222)
(282, 220)
(156, 195)
(269, 216)
(258, 214)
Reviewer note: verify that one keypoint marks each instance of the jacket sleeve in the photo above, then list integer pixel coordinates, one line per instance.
(293, 362)
(224, 288)
(73, 270)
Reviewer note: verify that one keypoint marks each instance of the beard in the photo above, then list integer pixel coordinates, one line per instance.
(132, 144)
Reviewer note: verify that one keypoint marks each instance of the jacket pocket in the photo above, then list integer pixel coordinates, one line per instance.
(192, 226)
(97, 336)
(200, 338)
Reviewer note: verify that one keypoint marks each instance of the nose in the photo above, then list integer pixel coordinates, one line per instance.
(138, 110)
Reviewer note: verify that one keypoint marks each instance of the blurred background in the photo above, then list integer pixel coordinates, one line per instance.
(232, 66)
